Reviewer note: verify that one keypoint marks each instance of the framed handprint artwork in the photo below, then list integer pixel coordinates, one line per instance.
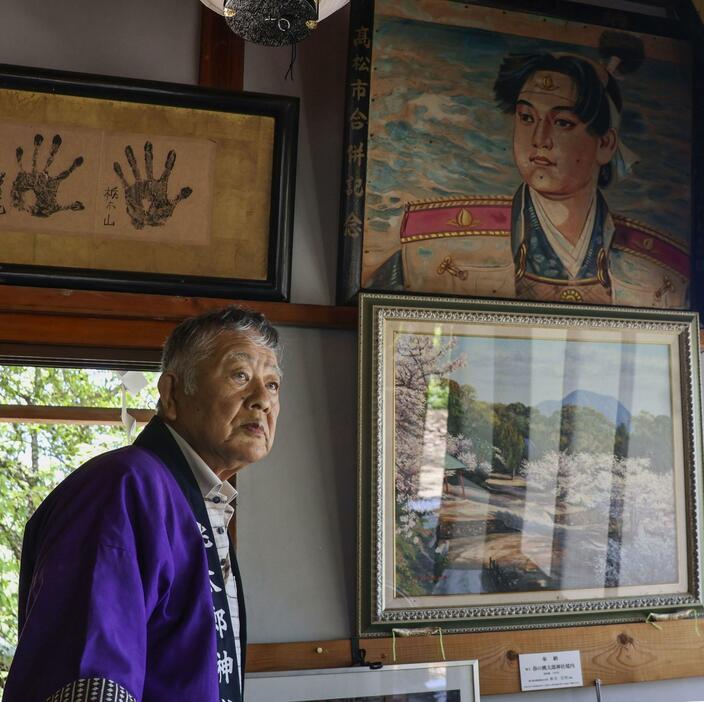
(137, 186)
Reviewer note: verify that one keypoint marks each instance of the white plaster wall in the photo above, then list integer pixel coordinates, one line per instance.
(150, 39)
(296, 510)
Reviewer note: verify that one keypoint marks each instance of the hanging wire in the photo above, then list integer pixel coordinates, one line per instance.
(653, 618)
(650, 620)
(311, 24)
(289, 72)
(427, 631)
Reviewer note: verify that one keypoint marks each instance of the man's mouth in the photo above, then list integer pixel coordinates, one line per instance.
(541, 161)
(254, 428)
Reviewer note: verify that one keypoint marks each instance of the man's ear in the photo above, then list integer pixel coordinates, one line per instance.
(167, 396)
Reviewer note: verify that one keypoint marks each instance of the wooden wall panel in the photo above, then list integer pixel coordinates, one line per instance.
(617, 653)
(221, 54)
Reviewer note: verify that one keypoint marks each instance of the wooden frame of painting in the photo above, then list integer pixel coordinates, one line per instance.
(526, 465)
(450, 681)
(113, 184)
(446, 189)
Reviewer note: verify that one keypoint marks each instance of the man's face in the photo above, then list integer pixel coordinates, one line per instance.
(230, 419)
(553, 150)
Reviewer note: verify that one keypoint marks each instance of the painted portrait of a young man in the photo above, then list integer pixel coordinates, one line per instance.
(511, 156)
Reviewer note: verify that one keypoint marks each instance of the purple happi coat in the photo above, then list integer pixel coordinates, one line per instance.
(115, 595)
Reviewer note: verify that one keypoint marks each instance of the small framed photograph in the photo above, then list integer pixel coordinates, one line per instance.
(526, 465)
(451, 681)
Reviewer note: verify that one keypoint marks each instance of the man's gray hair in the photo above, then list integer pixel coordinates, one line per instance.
(193, 340)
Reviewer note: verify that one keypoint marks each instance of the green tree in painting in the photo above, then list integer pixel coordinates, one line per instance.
(438, 393)
(510, 436)
(468, 416)
(575, 429)
(651, 437)
(583, 429)
(35, 457)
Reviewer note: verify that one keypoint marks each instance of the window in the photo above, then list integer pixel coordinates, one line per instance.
(51, 421)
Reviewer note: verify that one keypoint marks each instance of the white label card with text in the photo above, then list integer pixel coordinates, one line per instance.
(545, 671)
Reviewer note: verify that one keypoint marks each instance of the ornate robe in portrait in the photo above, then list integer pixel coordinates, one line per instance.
(541, 274)
(118, 587)
(497, 247)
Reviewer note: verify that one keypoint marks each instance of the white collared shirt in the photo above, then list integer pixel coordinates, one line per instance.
(219, 497)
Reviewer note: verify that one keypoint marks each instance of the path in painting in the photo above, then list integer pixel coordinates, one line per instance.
(553, 524)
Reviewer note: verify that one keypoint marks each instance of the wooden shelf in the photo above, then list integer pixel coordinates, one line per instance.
(52, 322)
(111, 328)
(172, 308)
(616, 653)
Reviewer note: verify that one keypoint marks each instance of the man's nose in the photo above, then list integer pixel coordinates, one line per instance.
(542, 134)
(259, 397)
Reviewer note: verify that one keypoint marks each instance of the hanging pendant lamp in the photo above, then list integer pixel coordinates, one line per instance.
(274, 22)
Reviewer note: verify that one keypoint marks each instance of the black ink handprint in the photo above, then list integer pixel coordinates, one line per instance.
(35, 191)
(147, 198)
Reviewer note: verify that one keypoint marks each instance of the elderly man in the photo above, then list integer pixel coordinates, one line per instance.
(129, 588)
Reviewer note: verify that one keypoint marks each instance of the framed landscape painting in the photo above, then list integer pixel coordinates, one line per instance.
(450, 681)
(110, 184)
(526, 465)
(500, 153)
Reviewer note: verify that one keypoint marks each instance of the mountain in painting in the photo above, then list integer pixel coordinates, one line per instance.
(609, 406)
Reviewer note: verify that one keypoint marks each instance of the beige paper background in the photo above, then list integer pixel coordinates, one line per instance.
(221, 230)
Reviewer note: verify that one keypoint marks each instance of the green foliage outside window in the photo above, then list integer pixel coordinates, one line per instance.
(35, 457)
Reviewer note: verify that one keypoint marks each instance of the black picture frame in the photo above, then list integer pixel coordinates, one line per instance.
(284, 110)
(682, 22)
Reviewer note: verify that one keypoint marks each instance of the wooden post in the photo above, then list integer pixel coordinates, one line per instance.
(221, 54)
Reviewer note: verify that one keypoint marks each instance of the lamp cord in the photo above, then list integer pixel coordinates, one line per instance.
(289, 72)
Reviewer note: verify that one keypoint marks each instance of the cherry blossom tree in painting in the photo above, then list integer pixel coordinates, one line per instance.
(420, 361)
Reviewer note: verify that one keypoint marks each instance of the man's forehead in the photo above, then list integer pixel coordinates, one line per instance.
(549, 85)
(259, 353)
(241, 348)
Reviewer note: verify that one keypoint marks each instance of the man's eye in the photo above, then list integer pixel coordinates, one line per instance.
(564, 123)
(273, 386)
(241, 376)
(526, 118)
